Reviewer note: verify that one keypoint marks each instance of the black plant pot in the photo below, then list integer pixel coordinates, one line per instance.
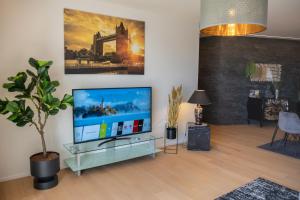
(44, 170)
(171, 133)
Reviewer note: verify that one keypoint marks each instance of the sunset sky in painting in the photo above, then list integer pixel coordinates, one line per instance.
(81, 26)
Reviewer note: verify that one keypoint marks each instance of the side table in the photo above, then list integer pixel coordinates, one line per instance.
(198, 137)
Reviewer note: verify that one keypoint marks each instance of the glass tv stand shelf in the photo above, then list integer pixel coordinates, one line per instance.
(89, 155)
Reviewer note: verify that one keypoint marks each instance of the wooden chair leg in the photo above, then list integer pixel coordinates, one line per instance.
(274, 134)
(285, 138)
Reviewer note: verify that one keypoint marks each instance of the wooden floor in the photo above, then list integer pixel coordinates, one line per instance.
(233, 161)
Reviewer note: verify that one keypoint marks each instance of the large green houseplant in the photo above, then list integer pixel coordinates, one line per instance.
(34, 102)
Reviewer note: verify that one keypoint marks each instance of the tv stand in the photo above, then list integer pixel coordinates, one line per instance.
(92, 154)
(114, 139)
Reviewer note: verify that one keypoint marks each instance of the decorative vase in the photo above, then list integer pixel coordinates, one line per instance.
(44, 170)
(276, 94)
(171, 133)
(198, 114)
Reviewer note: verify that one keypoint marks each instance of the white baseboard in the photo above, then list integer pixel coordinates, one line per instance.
(22, 175)
(15, 176)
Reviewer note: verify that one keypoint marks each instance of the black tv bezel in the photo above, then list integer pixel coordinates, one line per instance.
(107, 138)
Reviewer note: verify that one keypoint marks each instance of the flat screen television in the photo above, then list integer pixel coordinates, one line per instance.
(110, 113)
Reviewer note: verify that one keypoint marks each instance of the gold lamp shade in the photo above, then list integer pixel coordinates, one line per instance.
(233, 17)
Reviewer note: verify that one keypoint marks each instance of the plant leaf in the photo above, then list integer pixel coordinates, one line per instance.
(12, 117)
(29, 113)
(44, 63)
(55, 83)
(30, 73)
(12, 107)
(53, 112)
(22, 123)
(31, 86)
(18, 83)
(68, 99)
(63, 106)
(34, 63)
(8, 85)
(42, 70)
(2, 105)
(22, 96)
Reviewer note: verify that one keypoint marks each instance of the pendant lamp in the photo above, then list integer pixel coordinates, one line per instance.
(233, 17)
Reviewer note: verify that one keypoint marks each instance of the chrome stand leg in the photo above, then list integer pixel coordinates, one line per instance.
(78, 164)
(154, 149)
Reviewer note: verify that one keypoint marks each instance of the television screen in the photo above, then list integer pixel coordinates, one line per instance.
(111, 112)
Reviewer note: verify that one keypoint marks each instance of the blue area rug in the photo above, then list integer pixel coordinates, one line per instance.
(261, 189)
(292, 148)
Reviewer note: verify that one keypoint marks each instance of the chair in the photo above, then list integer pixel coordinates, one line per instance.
(289, 123)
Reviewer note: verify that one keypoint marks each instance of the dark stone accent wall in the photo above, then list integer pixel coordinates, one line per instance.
(222, 63)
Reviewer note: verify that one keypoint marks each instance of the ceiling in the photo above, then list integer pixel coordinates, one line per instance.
(283, 15)
(283, 19)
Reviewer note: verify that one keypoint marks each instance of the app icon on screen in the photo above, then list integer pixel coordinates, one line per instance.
(127, 127)
(114, 129)
(103, 128)
(90, 132)
(120, 128)
(136, 126)
(141, 123)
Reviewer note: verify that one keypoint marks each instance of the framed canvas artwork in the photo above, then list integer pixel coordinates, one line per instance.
(101, 44)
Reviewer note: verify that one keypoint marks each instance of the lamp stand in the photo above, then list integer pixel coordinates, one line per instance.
(198, 114)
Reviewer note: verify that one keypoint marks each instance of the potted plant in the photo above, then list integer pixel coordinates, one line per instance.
(175, 99)
(33, 104)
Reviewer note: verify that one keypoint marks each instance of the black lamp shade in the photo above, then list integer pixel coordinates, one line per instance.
(199, 97)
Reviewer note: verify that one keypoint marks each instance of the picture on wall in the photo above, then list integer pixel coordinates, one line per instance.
(267, 73)
(101, 44)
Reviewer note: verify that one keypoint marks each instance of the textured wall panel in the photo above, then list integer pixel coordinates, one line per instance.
(222, 63)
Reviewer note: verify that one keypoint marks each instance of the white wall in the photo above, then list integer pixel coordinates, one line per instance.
(34, 28)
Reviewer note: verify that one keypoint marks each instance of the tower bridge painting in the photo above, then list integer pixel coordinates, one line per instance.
(96, 43)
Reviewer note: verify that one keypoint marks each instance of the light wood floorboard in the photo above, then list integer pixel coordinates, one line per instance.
(233, 161)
